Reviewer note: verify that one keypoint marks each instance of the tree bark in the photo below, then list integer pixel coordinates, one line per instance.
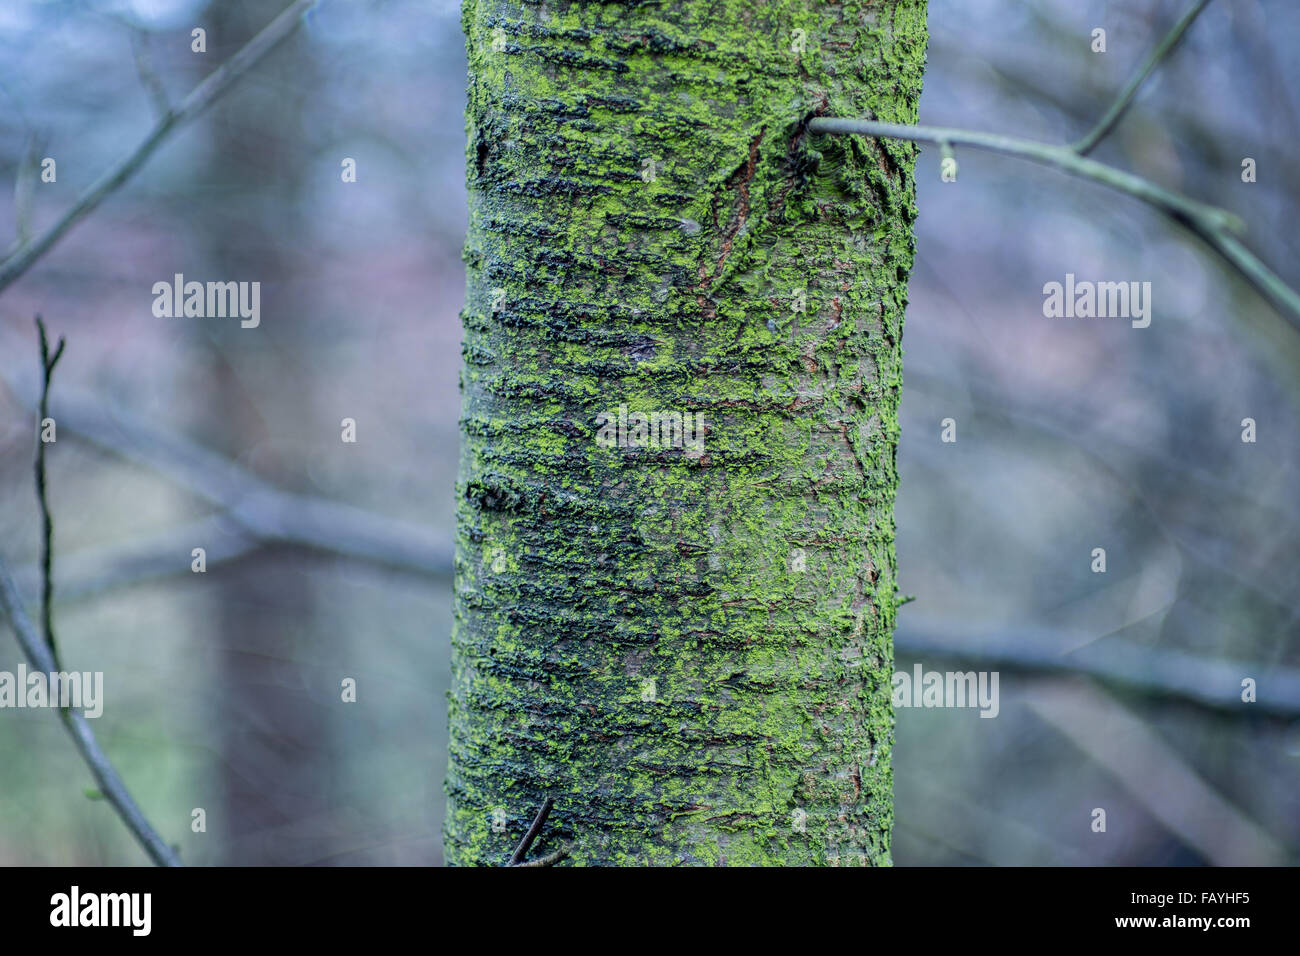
(689, 649)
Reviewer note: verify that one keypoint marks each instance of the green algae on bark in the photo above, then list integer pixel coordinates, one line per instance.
(689, 650)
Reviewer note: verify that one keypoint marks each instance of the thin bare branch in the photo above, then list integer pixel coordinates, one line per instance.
(539, 821)
(48, 362)
(550, 859)
(1213, 225)
(1125, 99)
(105, 774)
(199, 99)
(1061, 157)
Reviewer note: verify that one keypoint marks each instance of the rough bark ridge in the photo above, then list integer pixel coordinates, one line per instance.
(691, 653)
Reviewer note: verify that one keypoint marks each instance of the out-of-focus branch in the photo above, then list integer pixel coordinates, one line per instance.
(25, 191)
(252, 511)
(1125, 99)
(90, 572)
(1151, 670)
(255, 513)
(149, 78)
(1155, 776)
(1154, 671)
(105, 774)
(1073, 429)
(199, 99)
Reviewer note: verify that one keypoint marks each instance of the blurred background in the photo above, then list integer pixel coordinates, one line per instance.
(329, 560)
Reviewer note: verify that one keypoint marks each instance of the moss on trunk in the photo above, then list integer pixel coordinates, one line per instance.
(690, 650)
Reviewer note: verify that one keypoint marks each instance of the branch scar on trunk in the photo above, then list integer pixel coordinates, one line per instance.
(739, 181)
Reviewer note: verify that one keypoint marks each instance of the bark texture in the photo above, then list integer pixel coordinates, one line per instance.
(691, 653)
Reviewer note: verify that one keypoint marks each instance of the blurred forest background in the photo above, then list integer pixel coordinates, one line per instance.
(330, 560)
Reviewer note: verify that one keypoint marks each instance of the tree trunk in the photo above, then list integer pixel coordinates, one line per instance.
(275, 742)
(689, 647)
